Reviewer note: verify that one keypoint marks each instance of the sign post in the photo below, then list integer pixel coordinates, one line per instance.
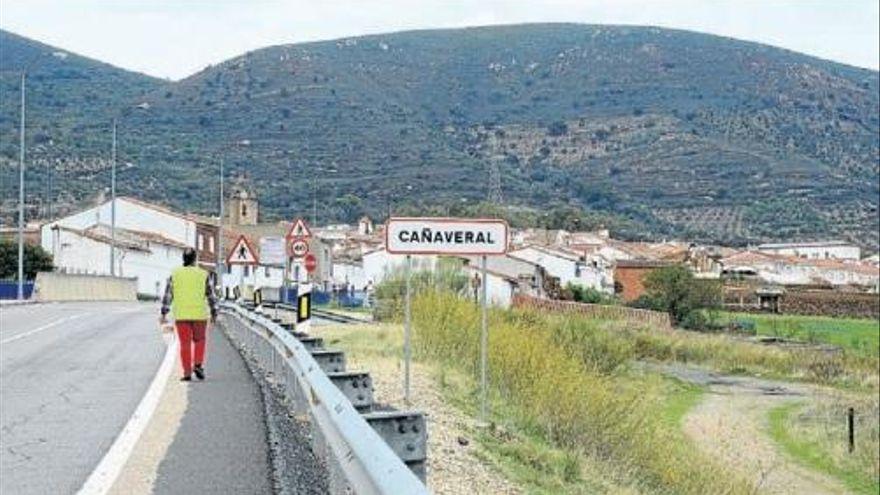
(407, 331)
(447, 236)
(297, 246)
(484, 339)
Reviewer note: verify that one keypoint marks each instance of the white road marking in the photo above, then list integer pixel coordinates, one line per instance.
(40, 329)
(105, 474)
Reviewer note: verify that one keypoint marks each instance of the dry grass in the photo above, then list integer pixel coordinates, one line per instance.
(573, 399)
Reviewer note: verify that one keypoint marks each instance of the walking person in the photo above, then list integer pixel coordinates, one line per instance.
(190, 299)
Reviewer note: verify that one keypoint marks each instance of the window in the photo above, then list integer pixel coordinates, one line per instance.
(266, 272)
(243, 210)
(211, 244)
(247, 270)
(228, 268)
(201, 242)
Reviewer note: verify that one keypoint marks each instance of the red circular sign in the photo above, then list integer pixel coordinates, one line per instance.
(311, 262)
(298, 248)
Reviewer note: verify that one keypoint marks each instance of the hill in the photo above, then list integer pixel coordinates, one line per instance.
(655, 131)
(71, 101)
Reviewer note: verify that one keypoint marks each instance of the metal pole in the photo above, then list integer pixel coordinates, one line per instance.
(484, 341)
(51, 188)
(851, 430)
(21, 199)
(113, 204)
(218, 248)
(407, 329)
(314, 200)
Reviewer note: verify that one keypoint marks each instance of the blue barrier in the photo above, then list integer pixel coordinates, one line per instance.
(9, 289)
(319, 297)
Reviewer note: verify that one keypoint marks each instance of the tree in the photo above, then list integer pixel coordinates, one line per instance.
(557, 128)
(674, 290)
(35, 260)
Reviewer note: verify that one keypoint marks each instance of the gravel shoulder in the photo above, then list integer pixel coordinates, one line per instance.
(454, 467)
(731, 423)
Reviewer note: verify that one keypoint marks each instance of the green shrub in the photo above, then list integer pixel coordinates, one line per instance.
(555, 371)
(674, 289)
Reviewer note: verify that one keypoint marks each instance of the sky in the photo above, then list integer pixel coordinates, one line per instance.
(176, 38)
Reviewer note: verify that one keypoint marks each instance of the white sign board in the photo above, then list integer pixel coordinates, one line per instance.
(461, 236)
(242, 253)
(272, 250)
(299, 230)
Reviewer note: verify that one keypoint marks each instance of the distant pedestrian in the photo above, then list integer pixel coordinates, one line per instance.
(476, 283)
(368, 294)
(190, 298)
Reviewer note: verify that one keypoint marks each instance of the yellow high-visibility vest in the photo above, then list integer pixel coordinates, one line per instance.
(188, 297)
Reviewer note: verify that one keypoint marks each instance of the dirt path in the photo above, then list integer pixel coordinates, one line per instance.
(731, 424)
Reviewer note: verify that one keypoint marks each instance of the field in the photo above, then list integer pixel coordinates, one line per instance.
(582, 405)
(516, 447)
(814, 434)
(859, 335)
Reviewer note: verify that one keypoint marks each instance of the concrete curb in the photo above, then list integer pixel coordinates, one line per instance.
(102, 478)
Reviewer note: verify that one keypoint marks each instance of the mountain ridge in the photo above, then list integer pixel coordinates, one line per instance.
(662, 132)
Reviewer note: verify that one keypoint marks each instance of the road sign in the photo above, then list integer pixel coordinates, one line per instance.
(456, 236)
(242, 253)
(310, 262)
(446, 236)
(299, 230)
(299, 248)
(272, 250)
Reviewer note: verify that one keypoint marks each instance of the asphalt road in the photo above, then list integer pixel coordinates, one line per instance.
(220, 446)
(70, 377)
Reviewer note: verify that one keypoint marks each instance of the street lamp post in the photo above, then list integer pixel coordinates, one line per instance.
(219, 246)
(21, 198)
(113, 205)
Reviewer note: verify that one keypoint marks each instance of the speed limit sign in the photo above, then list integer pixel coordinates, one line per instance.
(299, 248)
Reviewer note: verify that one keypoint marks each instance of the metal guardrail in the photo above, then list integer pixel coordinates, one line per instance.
(358, 460)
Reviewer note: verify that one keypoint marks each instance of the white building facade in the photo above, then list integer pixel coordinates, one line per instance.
(149, 242)
(839, 250)
(586, 271)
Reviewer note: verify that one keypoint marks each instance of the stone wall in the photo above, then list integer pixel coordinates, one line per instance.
(654, 319)
(54, 286)
(809, 302)
(832, 303)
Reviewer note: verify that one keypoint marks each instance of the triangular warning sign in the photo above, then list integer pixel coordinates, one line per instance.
(242, 253)
(299, 230)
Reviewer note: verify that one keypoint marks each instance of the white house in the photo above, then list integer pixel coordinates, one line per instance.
(379, 263)
(840, 250)
(500, 288)
(790, 270)
(247, 277)
(148, 257)
(591, 271)
(507, 276)
(349, 272)
(149, 242)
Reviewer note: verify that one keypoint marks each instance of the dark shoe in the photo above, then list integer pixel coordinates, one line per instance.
(199, 371)
(186, 379)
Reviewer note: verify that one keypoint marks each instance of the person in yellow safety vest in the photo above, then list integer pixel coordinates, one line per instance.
(190, 298)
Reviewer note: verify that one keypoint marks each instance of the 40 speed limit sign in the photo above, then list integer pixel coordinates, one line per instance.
(299, 248)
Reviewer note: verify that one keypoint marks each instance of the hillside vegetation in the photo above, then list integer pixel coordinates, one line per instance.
(656, 131)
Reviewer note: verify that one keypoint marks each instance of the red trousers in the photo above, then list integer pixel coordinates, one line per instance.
(192, 334)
